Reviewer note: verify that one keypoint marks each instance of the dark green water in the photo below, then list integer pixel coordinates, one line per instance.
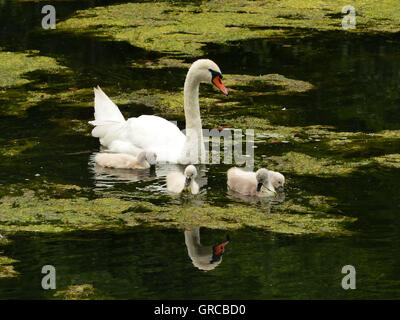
(356, 81)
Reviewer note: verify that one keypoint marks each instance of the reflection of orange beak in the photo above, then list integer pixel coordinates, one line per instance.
(218, 82)
(220, 248)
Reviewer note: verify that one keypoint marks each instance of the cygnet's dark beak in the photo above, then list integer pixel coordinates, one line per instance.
(187, 181)
(259, 187)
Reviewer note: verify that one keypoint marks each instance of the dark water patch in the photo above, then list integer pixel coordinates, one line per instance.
(356, 89)
(139, 264)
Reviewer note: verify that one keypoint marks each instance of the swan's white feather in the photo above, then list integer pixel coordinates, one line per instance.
(104, 109)
(146, 132)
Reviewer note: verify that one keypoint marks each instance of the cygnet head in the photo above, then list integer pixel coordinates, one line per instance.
(206, 70)
(263, 180)
(277, 180)
(190, 173)
(149, 156)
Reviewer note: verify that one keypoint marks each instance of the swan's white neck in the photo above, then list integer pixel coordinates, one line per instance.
(194, 151)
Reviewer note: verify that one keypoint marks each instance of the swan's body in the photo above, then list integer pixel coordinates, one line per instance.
(178, 182)
(250, 183)
(203, 257)
(126, 161)
(156, 134)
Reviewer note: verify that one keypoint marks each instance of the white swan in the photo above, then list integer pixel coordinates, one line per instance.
(156, 134)
(126, 161)
(178, 182)
(251, 183)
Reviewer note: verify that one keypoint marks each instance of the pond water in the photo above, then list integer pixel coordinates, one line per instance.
(356, 89)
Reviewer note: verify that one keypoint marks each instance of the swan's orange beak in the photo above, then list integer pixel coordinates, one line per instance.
(220, 248)
(218, 82)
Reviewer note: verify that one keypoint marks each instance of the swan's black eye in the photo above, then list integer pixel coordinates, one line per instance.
(215, 74)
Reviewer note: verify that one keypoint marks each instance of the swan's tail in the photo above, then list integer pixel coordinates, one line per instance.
(106, 114)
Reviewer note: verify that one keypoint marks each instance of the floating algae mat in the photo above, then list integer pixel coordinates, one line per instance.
(78, 292)
(29, 212)
(6, 267)
(15, 69)
(184, 30)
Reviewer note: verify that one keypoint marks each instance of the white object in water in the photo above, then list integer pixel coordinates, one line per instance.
(178, 181)
(156, 134)
(126, 161)
(252, 183)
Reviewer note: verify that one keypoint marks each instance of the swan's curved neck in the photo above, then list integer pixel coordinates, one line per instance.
(191, 102)
(194, 144)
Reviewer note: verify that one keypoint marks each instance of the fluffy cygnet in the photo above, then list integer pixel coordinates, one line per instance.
(126, 161)
(257, 183)
(178, 182)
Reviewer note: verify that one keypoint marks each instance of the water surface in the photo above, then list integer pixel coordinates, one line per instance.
(356, 89)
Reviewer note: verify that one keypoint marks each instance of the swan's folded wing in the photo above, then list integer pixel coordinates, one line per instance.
(153, 133)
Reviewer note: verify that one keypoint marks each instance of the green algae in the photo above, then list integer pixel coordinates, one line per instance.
(30, 213)
(303, 164)
(15, 70)
(241, 89)
(6, 267)
(258, 85)
(389, 160)
(164, 62)
(293, 218)
(72, 127)
(14, 147)
(77, 97)
(14, 66)
(319, 150)
(184, 30)
(76, 292)
(40, 188)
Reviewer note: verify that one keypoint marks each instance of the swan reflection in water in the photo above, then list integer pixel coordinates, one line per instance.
(205, 258)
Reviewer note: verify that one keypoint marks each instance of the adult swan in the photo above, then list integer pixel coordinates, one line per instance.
(152, 133)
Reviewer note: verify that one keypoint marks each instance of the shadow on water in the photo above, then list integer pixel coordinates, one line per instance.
(356, 88)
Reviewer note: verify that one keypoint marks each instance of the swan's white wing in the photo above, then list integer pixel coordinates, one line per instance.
(104, 109)
(150, 133)
(156, 134)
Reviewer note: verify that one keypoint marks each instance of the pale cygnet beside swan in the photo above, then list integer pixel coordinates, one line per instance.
(178, 182)
(252, 183)
(156, 134)
(126, 161)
